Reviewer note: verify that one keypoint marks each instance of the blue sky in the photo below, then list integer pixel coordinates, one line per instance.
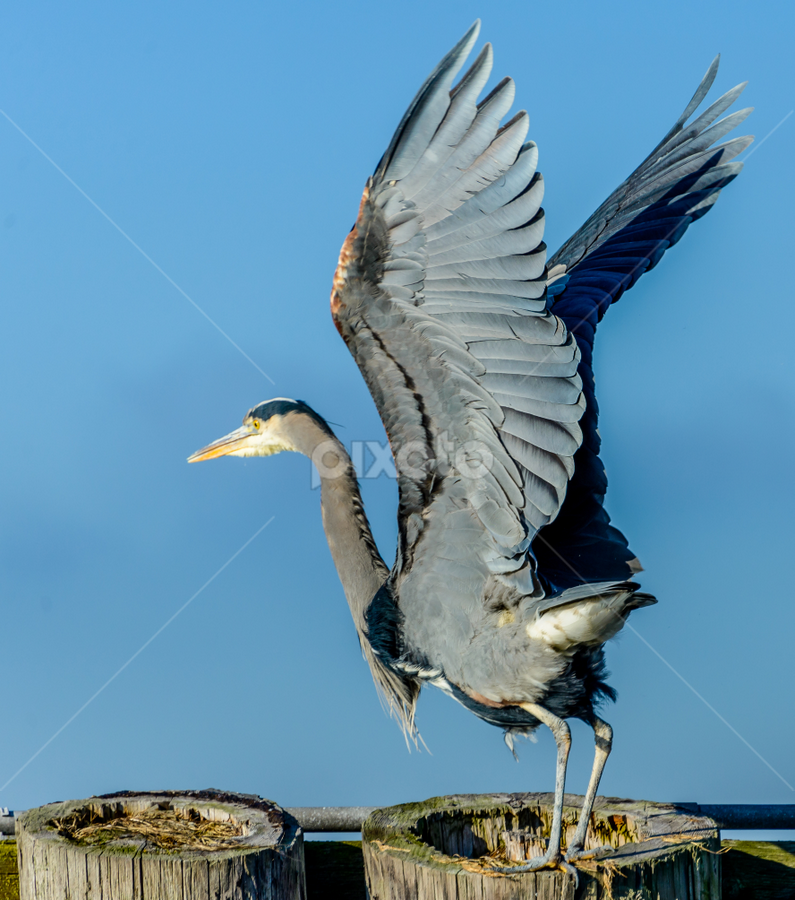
(231, 144)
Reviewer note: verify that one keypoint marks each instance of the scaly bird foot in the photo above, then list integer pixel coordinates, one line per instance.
(576, 853)
(547, 861)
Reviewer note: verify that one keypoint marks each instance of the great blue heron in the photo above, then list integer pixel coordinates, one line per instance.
(509, 577)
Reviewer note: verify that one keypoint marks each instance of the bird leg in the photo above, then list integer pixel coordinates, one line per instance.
(603, 735)
(553, 857)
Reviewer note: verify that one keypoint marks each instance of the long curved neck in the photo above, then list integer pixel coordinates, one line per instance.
(359, 564)
(360, 567)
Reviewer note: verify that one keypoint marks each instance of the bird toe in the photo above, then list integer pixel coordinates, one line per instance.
(547, 861)
(574, 854)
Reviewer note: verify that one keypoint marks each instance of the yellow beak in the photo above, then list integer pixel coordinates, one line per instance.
(232, 443)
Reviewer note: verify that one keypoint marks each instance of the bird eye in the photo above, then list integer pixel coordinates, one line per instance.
(255, 425)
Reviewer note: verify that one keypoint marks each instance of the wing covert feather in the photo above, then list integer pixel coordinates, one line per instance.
(440, 295)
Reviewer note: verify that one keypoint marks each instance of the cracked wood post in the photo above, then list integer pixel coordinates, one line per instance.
(265, 861)
(452, 848)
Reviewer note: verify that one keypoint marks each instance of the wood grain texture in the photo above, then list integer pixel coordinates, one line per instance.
(751, 870)
(454, 848)
(265, 861)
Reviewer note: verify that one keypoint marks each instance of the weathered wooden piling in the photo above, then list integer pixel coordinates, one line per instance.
(456, 848)
(161, 846)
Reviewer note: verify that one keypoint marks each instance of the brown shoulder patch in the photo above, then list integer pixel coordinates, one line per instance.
(346, 255)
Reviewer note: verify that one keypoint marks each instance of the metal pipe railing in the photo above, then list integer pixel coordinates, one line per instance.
(330, 818)
(749, 815)
(752, 816)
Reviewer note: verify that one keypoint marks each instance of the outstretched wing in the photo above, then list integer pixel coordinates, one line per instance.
(440, 295)
(676, 184)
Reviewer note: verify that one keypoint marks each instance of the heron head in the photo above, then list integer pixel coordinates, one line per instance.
(268, 428)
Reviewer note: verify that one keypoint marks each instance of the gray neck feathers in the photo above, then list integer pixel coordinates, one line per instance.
(359, 565)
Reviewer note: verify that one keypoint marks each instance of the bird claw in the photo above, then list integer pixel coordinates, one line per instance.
(547, 861)
(574, 854)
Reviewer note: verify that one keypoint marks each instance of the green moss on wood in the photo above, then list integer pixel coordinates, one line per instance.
(752, 870)
(405, 827)
(464, 834)
(38, 821)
